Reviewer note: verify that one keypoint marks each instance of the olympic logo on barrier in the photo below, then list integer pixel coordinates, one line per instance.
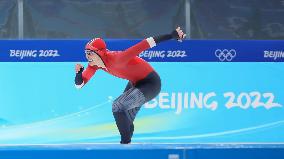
(225, 55)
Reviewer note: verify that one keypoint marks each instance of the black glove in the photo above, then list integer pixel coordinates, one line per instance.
(161, 38)
(79, 77)
(175, 35)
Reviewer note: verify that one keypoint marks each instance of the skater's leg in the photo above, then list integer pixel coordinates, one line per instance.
(124, 126)
(150, 86)
(125, 108)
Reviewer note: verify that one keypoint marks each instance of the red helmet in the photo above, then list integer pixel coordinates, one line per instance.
(96, 44)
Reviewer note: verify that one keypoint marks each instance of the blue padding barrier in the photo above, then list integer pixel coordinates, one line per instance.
(144, 151)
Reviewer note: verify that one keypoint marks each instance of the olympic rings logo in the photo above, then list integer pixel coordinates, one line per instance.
(225, 55)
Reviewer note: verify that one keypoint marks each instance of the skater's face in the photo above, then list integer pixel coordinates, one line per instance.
(90, 55)
(94, 59)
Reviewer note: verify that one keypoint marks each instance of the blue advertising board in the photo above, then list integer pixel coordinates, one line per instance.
(170, 51)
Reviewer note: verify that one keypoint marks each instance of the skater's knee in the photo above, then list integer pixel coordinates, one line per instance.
(129, 100)
(117, 106)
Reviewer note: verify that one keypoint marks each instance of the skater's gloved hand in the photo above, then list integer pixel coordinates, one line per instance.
(178, 34)
(79, 77)
(79, 68)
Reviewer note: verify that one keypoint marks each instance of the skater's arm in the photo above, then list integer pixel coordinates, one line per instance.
(149, 43)
(82, 77)
(176, 34)
(134, 50)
